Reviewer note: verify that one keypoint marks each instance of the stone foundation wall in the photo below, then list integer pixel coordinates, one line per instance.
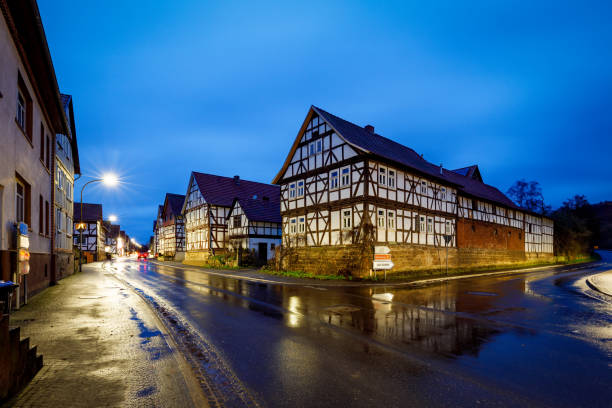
(408, 259)
(64, 264)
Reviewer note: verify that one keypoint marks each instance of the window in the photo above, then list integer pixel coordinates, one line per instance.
(346, 219)
(430, 225)
(69, 190)
(448, 228)
(68, 226)
(419, 223)
(391, 220)
(381, 219)
(300, 188)
(423, 187)
(301, 225)
(391, 180)
(40, 215)
(382, 176)
(48, 153)
(47, 218)
(23, 115)
(315, 147)
(272, 246)
(345, 179)
(237, 219)
(292, 190)
(443, 194)
(333, 179)
(22, 201)
(42, 142)
(21, 110)
(474, 205)
(292, 226)
(58, 220)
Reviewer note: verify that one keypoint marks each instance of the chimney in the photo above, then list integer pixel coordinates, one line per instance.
(441, 168)
(237, 180)
(369, 128)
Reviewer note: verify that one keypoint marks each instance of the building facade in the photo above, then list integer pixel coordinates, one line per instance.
(31, 113)
(66, 166)
(172, 231)
(254, 229)
(93, 241)
(344, 186)
(207, 204)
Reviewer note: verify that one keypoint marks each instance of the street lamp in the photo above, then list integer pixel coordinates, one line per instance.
(110, 180)
(112, 218)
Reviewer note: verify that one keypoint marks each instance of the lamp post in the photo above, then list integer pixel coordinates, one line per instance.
(108, 179)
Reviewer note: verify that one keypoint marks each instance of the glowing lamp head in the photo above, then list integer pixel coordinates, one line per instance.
(110, 179)
(112, 218)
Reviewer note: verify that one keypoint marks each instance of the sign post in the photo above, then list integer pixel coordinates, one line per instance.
(382, 259)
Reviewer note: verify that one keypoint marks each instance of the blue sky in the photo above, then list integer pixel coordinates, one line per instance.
(163, 88)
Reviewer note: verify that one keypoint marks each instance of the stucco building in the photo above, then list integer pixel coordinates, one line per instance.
(31, 114)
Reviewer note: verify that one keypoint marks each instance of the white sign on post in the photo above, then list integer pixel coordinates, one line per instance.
(383, 264)
(382, 250)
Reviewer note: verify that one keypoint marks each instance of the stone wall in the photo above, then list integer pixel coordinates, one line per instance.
(64, 264)
(478, 234)
(408, 259)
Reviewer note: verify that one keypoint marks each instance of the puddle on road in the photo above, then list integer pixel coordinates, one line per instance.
(341, 309)
(90, 297)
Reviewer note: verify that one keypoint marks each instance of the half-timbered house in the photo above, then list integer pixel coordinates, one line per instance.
(111, 237)
(172, 230)
(94, 234)
(254, 227)
(209, 199)
(340, 177)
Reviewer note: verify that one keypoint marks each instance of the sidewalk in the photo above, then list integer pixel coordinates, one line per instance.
(102, 346)
(601, 282)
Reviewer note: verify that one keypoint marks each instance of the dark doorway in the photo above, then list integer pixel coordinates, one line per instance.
(262, 253)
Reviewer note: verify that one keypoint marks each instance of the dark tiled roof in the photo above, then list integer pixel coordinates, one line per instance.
(222, 191)
(91, 212)
(386, 148)
(261, 209)
(175, 202)
(114, 230)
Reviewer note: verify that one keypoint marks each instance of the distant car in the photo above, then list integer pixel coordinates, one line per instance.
(143, 255)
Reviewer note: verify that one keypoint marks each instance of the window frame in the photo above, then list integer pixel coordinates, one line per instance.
(300, 189)
(301, 224)
(430, 225)
(334, 181)
(422, 223)
(391, 178)
(292, 226)
(348, 176)
(382, 176)
(424, 187)
(346, 219)
(381, 219)
(292, 190)
(391, 220)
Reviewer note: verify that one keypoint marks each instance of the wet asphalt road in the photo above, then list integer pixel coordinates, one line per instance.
(531, 339)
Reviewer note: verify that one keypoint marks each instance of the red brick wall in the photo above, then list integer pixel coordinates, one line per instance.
(477, 234)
